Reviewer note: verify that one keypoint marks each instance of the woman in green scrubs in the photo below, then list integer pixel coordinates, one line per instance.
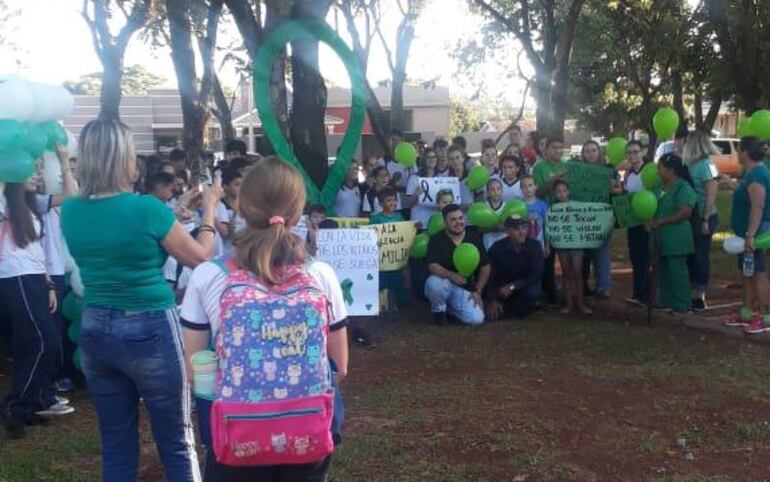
(672, 223)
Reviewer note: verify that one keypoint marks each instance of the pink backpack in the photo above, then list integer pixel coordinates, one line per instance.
(274, 398)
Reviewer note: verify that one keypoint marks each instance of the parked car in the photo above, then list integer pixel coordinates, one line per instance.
(727, 162)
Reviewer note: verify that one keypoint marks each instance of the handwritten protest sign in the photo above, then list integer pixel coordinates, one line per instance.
(354, 256)
(301, 228)
(624, 213)
(351, 222)
(588, 182)
(578, 225)
(431, 186)
(394, 241)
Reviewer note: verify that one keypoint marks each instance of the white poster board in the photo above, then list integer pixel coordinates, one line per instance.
(431, 186)
(301, 228)
(354, 256)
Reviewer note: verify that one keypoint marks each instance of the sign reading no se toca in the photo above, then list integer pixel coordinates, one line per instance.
(578, 225)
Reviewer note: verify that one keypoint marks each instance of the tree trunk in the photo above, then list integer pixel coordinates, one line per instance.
(698, 109)
(308, 131)
(713, 113)
(559, 103)
(194, 114)
(111, 94)
(542, 93)
(404, 37)
(223, 113)
(676, 87)
(277, 13)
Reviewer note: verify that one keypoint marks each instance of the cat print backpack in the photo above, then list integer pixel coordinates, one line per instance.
(274, 398)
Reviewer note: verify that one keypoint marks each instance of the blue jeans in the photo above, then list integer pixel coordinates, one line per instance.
(601, 258)
(446, 297)
(698, 262)
(126, 356)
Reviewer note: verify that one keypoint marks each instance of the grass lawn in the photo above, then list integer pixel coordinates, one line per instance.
(558, 398)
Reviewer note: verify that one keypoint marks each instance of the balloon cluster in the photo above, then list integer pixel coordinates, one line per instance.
(28, 127)
(72, 306)
(758, 125)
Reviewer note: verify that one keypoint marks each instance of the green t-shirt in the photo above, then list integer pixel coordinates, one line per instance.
(742, 203)
(545, 170)
(115, 242)
(676, 239)
(382, 218)
(702, 172)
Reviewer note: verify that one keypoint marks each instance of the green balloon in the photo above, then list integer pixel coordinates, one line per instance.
(72, 307)
(12, 134)
(482, 215)
(760, 124)
(665, 123)
(73, 332)
(16, 165)
(310, 30)
(435, 224)
(76, 360)
(515, 207)
(405, 154)
(650, 176)
(616, 150)
(420, 246)
(644, 204)
(745, 129)
(55, 134)
(478, 178)
(762, 241)
(35, 141)
(466, 259)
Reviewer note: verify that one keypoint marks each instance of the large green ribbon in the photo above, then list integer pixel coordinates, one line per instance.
(347, 290)
(308, 29)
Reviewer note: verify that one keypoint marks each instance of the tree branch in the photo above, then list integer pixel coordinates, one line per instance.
(523, 35)
(142, 12)
(250, 28)
(388, 51)
(518, 117)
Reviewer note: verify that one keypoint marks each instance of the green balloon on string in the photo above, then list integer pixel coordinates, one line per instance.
(745, 129)
(482, 215)
(405, 154)
(36, 141)
(650, 176)
(12, 134)
(420, 246)
(665, 122)
(309, 29)
(435, 224)
(760, 124)
(466, 258)
(644, 205)
(514, 207)
(55, 134)
(478, 178)
(616, 150)
(16, 165)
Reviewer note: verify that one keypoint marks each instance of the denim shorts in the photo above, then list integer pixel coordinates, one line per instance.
(760, 258)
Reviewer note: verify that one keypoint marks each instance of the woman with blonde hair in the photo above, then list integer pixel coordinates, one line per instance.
(131, 344)
(270, 282)
(697, 154)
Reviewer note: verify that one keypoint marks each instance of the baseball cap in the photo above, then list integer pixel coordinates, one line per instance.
(515, 220)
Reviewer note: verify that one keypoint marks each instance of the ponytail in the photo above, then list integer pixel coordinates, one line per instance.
(22, 210)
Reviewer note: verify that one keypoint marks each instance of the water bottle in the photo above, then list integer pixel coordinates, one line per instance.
(748, 264)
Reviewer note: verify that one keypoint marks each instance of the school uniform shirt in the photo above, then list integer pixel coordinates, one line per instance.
(537, 210)
(441, 247)
(445, 173)
(394, 168)
(467, 197)
(494, 236)
(348, 201)
(16, 261)
(177, 275)
(511, 191)
(226, 214)
(371, 204)
(420, 212)
(200, 308)
(470, 163)
(633, 182)
(53, 242)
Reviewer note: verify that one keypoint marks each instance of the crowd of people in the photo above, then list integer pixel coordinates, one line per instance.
(148, 236)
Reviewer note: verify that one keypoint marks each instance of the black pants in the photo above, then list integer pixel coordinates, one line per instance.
(64, 366)
(34, 344)
(521, 303)
(639, 252)
(215, 472)
(549, 278)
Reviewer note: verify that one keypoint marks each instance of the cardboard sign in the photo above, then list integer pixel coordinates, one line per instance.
(578, 225)
(624, 213)
(351, 222)
(588, 182)
(431, 186)
(394, 240)
(354, 256)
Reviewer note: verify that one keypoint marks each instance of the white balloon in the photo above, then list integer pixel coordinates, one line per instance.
(64, 103)
(52, 175)
(76, 282)
(734, 245)
(16, 101)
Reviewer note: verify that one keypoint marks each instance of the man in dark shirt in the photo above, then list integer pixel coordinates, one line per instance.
(447, 290)
(517, 271)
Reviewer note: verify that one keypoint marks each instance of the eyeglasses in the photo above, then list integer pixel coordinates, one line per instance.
(635, 151)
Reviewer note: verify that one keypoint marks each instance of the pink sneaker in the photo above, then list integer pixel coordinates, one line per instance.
(756, 327)
(736, 320)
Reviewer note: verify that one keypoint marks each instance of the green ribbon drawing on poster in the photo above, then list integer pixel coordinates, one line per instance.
(347, 290)
(308, 29)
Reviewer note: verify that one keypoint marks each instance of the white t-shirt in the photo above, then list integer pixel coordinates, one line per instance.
(201, 301)
(15, 261)
(494, 236)
(170, 270)
(634, 182)
(371, 205)
(420, 212)
(467, 197)
(348, 202)
(445, 173)
(53, 242)
(511, 191)
(226, 214)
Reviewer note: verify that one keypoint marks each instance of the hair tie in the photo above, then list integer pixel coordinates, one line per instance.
(277, 220)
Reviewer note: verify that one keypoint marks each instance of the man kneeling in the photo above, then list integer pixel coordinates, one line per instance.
(448, 291)
(517, 270)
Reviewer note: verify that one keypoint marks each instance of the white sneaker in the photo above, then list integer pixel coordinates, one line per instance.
(62, 400)
(56, 409)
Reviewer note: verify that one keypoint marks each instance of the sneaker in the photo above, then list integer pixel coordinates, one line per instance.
(65, 385)
(62, 400)
(440, 319)
(736, 320)
(698, 305)
(56, 409)
(636, 302)
(756, 327)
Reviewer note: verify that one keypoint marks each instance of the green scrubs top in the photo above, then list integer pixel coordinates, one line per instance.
(676, 239)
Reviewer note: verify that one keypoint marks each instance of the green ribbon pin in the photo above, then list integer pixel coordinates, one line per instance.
(347, 288)
(308, 29)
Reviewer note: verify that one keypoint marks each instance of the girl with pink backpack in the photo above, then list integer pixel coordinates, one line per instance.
(275, 318)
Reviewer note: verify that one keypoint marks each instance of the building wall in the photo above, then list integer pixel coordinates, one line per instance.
(431, 119)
